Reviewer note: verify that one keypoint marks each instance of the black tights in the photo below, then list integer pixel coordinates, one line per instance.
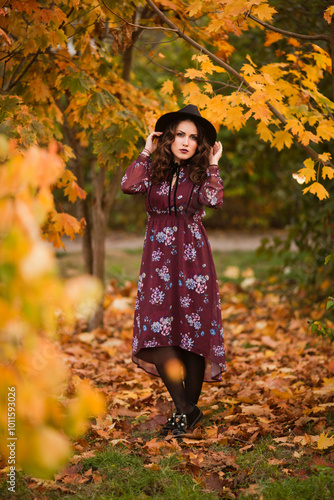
(184, 392)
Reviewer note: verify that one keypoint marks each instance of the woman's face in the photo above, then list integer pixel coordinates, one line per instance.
(185, 141)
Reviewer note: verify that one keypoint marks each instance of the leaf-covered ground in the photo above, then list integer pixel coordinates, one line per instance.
(270, 420)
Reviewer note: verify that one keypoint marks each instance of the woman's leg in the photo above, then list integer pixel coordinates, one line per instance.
(195, 367)
(168, 363)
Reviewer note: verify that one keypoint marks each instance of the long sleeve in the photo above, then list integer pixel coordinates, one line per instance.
(136, 177)
(210, 193)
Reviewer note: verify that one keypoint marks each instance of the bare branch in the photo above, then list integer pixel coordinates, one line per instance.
(19, 78)
(10, 55)
(4, 73)
(192, 42)
(17, 69)
(81, 29)
(288, 33)
(310, 151)
(78, 17)
(196, 79)
(137, 25)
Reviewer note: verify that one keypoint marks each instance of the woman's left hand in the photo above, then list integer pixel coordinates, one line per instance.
(216, 153)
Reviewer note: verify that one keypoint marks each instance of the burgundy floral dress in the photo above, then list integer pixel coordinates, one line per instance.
(178, 301)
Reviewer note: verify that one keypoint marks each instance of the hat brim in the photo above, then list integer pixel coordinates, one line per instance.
(165, 120)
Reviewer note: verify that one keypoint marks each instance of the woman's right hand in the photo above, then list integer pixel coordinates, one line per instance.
(152, 141)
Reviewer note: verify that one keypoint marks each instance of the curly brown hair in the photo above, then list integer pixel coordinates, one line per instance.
(198, 163)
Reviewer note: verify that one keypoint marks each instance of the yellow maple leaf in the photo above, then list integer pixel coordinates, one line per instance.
(191, 89)
(272, 37)
(247, 69)
(308, 171)
(293, 42)
(307, 136)
(208, 67)
(322, 60)
(67, 224)
(200, 57)
(324, 441)
(208, 88)
(318, 189)
(325, 130)
(282, 138)
(74, 191)
(261, 111)
(329, 13)
(235, 119)
(327, 171)
(194, 8)
(67, 177)
(54, 238)
(248, 57)
(193, 73)
(216, 25)
(295, 126)
(325, 156)
(264, 12)
(264, 132)
(167, 88)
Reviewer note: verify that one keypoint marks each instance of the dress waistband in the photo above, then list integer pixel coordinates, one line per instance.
(186, 216)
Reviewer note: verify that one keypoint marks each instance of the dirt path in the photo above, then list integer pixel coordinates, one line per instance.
(223, 241)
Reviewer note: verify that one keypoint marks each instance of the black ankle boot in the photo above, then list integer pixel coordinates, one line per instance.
(186, 420)
(169, 425)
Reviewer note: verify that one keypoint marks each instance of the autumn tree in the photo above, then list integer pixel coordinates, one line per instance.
(64, 71)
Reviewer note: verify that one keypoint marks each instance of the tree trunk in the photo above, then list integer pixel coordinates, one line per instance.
(99, 232)
(83, 211)
(127, 62)
(101, 206)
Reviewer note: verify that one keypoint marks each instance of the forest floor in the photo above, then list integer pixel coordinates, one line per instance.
(268, 426)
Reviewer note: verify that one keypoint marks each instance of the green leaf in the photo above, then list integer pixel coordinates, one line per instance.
(330, 304)
(76, 82)
(328, 258)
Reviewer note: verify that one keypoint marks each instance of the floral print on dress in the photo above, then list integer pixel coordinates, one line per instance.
(151, 343)
(219, 350)
(163, 273)
(156, 255)
(164, 188)
(135, 343)
(163, 326)
(194, 320)
(185, 301)
(166, 236)
(194, 229)
(197, 283)
(187, 342)
(189, 253)
(157, 296)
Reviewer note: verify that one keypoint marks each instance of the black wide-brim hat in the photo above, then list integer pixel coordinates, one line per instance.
(190, 112)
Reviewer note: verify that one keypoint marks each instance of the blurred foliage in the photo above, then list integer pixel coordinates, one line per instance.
(34, 304)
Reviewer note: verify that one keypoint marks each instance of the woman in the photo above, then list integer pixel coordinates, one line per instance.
(178, 333)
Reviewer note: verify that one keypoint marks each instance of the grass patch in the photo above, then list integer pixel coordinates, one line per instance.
(125, 477)
(128, 478)
(278, 473)
(317, 487)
